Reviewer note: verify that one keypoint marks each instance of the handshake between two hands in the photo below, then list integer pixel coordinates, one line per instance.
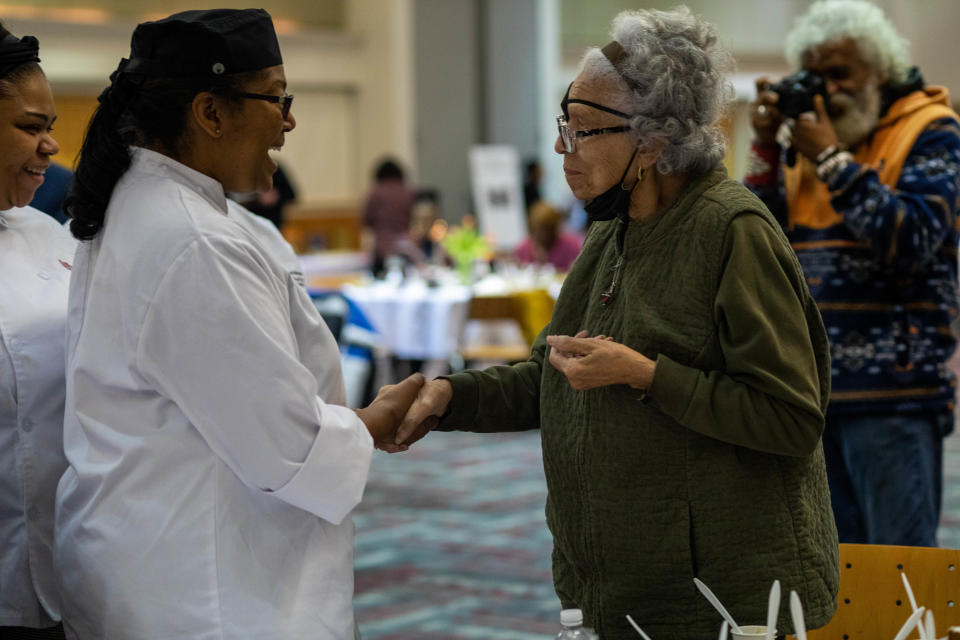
(403, 413)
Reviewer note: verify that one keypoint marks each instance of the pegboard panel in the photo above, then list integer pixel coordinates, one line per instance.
(872, 601)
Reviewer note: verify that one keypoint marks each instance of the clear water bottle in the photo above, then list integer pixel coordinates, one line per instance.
(572, 622)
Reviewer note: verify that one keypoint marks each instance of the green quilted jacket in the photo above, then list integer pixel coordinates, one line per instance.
(717, 471)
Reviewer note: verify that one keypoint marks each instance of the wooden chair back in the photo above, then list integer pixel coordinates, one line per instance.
(489, 308)
(872, 601)
(493, 308)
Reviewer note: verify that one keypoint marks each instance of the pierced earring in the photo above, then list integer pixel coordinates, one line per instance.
(217, 132)
(641, 174)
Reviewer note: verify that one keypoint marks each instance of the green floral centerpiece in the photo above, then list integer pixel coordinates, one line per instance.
(466, 246)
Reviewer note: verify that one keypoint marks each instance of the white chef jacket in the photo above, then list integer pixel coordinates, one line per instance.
(268, 236)
(35, 257)
(212, 471)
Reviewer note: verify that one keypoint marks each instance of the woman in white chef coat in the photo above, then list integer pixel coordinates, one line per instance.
(35, 257)
(212, 466)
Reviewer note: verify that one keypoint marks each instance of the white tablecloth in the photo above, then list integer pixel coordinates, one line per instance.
(414, 321)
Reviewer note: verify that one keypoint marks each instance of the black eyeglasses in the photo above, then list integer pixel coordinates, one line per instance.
(569, 136)
(285, 101)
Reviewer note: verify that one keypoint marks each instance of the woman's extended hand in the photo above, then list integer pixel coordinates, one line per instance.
(595, 362)
(423, 415)
(382, 417)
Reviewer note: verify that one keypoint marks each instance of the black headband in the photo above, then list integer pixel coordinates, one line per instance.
(616, 55)
(618, 58)
(15, 52)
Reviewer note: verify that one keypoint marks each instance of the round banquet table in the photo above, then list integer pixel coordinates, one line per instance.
(414, 321)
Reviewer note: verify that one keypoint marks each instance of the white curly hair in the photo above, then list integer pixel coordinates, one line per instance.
(880, 45)
(676, 85)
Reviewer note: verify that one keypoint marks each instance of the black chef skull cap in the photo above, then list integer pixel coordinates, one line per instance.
(208, 42)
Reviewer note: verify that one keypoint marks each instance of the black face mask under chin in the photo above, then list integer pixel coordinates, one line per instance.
(612, 203)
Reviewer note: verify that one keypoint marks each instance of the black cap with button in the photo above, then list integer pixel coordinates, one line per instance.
(204, 43)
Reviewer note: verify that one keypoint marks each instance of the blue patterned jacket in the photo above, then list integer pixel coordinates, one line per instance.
(884, 275)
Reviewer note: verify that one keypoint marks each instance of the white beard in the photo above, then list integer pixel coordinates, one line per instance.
(861, 112)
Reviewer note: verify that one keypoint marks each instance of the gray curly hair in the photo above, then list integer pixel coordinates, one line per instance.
(676, 85)
(880, 45)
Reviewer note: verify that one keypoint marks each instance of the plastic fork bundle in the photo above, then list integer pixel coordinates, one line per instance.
(924, 623)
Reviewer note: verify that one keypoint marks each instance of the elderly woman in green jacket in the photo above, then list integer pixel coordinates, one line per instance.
(680, 386)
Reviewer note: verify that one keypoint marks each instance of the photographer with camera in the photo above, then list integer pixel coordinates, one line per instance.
(870, 207)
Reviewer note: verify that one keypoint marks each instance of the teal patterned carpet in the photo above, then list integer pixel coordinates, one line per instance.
(452, 543)
(949, 532)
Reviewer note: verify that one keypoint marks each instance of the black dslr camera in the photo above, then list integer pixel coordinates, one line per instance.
(796, 92)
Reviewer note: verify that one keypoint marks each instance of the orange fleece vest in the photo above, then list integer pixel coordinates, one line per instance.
(808, 199)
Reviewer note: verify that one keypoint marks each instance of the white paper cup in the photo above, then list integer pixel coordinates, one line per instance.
(751, 632)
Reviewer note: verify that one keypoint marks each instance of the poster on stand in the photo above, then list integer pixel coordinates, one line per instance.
(497, 194)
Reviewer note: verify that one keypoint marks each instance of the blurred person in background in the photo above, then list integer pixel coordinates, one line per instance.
(684, 428)
(387, 212)
(35, 258)
(871, 210)
(532, 177)
(272, 204)
(212, 465)
(577, 219)
(52, 194)
(425, 234)
(548, 242)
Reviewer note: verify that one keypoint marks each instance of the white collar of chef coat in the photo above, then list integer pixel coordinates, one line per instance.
(151, 162)
(12, 213)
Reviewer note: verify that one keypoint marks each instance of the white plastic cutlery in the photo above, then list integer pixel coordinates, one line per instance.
(796, 613)
(930, 626)
(712, 599)
(773, 609)
(637, 627)
(723, 630)
(909, 624)
(913, 605)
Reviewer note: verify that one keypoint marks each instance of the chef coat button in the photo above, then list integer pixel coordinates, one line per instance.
(27, 425)
(43, 275)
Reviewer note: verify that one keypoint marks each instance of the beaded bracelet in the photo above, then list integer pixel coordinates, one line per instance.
(833, 164)
(826, 153)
